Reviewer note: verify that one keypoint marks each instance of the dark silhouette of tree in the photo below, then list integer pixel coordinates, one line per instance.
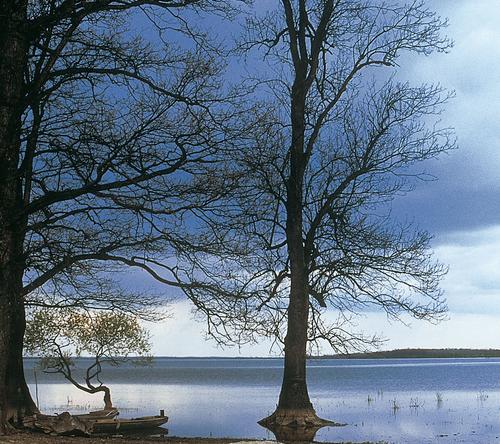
(333, 144)
(104, 142)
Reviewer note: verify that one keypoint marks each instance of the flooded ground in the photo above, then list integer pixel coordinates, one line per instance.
(410, 400)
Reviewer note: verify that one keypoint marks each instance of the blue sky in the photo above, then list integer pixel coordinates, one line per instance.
(462, 207)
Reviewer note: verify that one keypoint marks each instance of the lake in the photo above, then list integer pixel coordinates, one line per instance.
(393, 400)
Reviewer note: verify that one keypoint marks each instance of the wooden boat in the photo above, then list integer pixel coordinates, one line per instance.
(97, 414)
(133, 424)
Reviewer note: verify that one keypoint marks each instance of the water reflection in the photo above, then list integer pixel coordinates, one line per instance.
(294, 434)
(428, 410)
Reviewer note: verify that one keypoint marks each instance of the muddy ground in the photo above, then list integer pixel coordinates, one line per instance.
(31, 438)
(38, 438)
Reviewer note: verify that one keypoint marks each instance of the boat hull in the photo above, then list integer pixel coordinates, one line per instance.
(128, 425)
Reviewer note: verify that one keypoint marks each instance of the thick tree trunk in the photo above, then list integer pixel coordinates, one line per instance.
(294, 406)
(15, 400)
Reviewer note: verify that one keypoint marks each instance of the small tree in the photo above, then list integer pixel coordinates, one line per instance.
(109, 338)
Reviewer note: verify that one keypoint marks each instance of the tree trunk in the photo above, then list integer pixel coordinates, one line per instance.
(294, 406)
(90, 388)
(15, 400)
(294, 403)
(108, 405)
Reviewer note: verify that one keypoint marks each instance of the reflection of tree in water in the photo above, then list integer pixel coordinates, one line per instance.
(298, 433)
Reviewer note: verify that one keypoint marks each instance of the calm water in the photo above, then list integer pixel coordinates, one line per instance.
(396, 400)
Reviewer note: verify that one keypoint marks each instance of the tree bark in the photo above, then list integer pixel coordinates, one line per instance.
(108, 405)
(89, 387)
(294, 406)
(15, 400)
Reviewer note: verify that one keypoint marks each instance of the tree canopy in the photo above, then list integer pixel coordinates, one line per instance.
(106, 143)
(264, 203)
(59, 337)
(339, 136)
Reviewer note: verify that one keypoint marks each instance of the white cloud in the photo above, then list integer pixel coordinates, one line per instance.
(181, 335)
(462, 330)
(471, 70)
(473, 282)
(472, 287)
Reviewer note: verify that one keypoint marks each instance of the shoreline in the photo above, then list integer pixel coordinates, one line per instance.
(24, 437)
(401, 353)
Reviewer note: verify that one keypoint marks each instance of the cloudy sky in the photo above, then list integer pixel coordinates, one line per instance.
(461, 208)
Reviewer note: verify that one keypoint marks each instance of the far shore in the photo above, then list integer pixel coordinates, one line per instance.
(420, 353)
(403, 353)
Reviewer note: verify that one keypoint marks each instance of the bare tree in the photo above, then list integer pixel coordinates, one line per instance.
(102, 138)
(308, 228)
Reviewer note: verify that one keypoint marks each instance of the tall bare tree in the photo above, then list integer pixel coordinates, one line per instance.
(102, 136)
(338, 140)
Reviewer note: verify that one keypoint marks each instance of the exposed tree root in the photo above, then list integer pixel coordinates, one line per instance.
(295, 424)
(6, 428)
(296, 418)
(9, 421)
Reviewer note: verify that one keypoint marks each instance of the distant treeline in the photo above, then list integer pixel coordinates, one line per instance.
(420, 353)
